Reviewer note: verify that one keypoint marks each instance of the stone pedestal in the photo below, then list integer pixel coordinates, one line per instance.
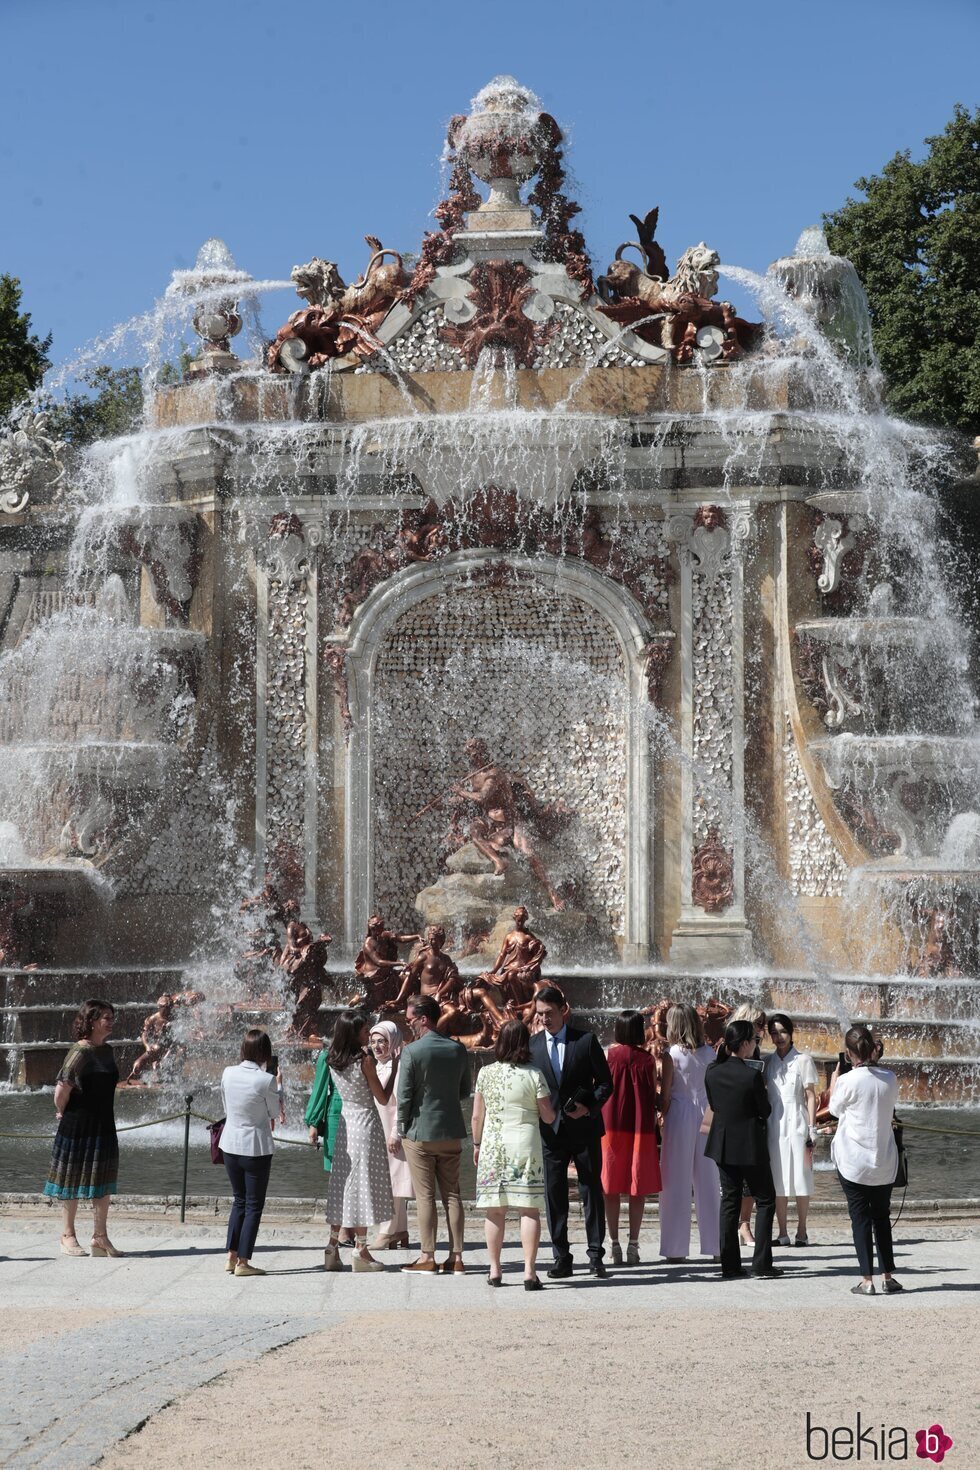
(475, 906)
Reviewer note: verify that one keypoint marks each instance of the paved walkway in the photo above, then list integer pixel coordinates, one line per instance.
(90, 1349)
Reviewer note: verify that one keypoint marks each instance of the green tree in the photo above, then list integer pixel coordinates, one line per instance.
(112, 405)
(23, 355)
(915, 241)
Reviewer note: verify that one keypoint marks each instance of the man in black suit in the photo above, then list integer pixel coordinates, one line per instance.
(740, 1105)
(575, 1068)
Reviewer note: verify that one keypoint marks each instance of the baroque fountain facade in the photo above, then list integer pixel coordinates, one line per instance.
(674, 569)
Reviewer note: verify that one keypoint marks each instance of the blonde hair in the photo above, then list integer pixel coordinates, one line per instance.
(684, 1028)
(750, 1011)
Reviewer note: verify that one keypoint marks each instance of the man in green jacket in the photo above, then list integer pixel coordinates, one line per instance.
(433, 1078)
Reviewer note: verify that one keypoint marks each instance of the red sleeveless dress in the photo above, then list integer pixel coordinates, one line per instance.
(630, 1160)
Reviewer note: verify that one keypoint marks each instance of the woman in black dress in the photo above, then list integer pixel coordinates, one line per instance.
(85, 1156)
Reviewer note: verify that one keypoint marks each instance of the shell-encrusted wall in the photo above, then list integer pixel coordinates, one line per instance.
(816, 867)
(542, 679)
(285, 714)
(575, 339)
(713, 702)
(578, 340)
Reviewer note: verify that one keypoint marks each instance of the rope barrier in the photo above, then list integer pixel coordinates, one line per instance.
(152, 1123)
(952, 1132)
(305, 1143)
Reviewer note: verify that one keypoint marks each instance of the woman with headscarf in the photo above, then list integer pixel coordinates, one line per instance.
(386, 1044)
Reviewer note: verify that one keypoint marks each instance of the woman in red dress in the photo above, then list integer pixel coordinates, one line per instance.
(630, 1162)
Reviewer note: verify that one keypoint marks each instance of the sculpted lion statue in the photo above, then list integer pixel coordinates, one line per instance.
(339, 318)
(683, 304)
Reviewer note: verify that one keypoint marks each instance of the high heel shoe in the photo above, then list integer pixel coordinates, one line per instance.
(533, 1283)
(359, 1263)
(399, 1241)
(616, 1251)
(105, 1250)
(494, 1280)
(745, 1235)
(331, 1259)
(71, 1247)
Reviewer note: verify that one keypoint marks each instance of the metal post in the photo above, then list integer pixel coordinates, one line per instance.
(188, 1099)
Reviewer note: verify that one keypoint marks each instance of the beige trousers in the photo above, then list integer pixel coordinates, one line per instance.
(434, 1166)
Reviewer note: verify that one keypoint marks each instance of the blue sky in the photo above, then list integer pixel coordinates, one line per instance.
(133, 129)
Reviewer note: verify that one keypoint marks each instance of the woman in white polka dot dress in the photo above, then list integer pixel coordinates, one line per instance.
(359, 1192)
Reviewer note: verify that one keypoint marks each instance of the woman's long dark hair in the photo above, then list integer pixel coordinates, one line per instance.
(88, 1013)
(345, 1045)
(737, 1033)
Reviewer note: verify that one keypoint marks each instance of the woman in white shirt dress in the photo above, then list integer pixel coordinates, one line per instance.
(791, 1080)
(359, 1192)
(250, 1100)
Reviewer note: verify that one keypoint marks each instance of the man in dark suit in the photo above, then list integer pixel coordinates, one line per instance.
(740, 1105)
(575, 1068)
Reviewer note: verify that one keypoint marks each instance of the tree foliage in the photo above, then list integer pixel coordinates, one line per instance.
(23, 355)
(112, 405)
(915, 241)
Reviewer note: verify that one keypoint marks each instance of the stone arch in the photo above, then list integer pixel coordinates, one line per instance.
(566, 578)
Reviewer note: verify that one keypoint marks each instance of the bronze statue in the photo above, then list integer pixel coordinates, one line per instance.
(938, 956)
(255, 964)
(428, 972)
(506, 806)
(304, 960)
(680, 306)
(157, 1034)
(377, 964)
(14, 950)
(339, 318)
(517, 968)
(432, 972)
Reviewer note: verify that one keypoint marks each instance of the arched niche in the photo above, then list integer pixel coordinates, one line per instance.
(395, 765)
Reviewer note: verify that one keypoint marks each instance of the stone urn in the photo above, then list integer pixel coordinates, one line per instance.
(501, 141)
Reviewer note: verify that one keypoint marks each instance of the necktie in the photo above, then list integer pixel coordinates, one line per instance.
(555, 1058)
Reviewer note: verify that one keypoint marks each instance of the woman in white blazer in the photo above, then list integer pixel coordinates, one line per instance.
(249, 1096)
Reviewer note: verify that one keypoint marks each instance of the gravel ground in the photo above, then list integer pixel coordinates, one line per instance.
(159, 1358)
(710, 1390)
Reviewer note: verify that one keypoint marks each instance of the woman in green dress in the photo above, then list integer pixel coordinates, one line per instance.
(321, 1117)
(512, 1099)
(85, 1154)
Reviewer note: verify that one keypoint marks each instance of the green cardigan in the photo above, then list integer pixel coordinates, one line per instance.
(323, 1108)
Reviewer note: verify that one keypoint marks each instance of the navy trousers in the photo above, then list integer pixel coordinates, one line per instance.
(249, 1179)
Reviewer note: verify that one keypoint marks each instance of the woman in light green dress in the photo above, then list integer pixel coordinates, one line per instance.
(512, 1098)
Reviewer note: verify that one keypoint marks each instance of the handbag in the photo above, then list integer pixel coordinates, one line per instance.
(216, 1130)
(902, 1173)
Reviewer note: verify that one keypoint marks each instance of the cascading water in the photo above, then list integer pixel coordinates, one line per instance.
(677, 573)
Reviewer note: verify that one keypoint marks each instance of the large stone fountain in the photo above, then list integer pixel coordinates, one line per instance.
(672, 568)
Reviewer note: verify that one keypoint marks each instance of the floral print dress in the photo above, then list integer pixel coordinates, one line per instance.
(511, 1167)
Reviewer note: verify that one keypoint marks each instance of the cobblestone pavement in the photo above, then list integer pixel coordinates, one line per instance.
(90, 1349)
